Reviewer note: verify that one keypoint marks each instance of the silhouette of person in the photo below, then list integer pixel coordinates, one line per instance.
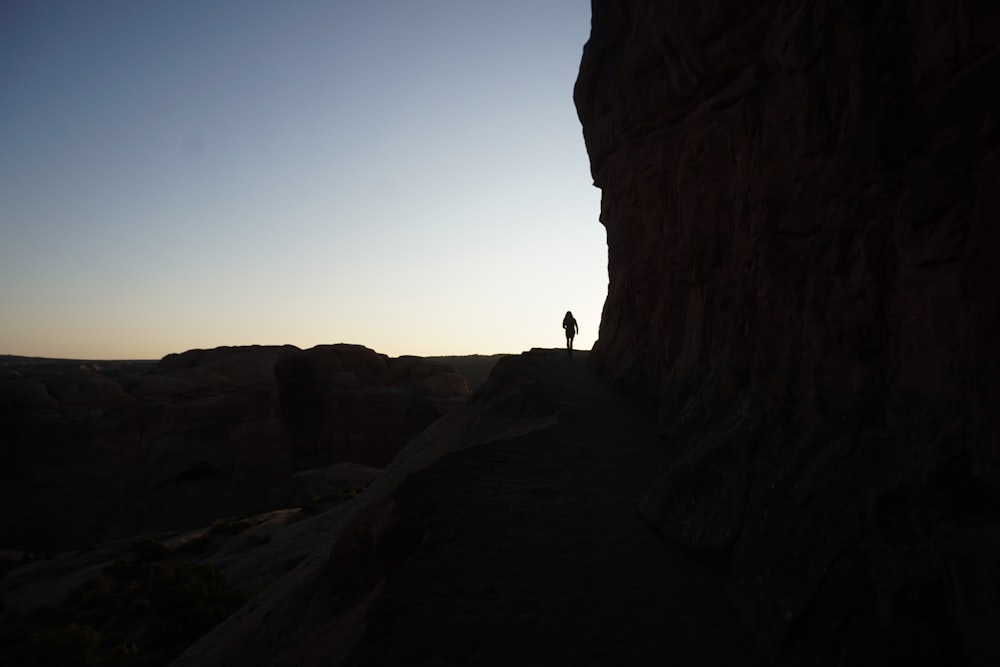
(569, 324)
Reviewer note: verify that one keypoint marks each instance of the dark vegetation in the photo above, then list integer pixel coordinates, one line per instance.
(140, 611)
(145, 608)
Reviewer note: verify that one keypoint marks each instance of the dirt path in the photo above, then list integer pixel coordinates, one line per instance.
(537, 554)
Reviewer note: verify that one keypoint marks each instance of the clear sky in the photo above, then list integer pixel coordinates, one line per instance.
(406, 175)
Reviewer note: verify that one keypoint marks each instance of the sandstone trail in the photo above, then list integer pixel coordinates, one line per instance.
(507, 533)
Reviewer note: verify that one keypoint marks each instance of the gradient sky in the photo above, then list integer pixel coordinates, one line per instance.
(410, 176)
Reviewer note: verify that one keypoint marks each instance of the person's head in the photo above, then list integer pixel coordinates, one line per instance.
(569, 314)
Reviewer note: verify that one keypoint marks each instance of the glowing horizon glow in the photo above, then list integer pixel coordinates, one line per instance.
(406, 176)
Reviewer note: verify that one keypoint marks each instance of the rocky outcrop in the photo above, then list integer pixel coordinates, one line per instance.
(318, 612)
(309, 572)
(801, 209)
(92, 454)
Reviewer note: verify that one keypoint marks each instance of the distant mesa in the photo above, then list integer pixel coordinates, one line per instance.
(102, 450)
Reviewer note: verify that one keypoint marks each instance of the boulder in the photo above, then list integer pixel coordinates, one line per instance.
(18, 394)
(339, 481)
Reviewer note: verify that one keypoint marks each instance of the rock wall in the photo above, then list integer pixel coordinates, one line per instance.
(801, 203)
(91, 455)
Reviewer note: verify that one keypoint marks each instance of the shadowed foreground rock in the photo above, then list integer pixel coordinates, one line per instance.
(92, 453)
(801, 201)
(505, 534)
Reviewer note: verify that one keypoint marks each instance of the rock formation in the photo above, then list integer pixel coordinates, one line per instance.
(91, 455)
(801, 205)
(310, 573)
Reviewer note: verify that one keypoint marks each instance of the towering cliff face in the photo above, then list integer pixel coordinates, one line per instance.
(801, 203)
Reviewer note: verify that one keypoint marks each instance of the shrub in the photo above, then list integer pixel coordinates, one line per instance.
(71, 645)
(133, 615)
